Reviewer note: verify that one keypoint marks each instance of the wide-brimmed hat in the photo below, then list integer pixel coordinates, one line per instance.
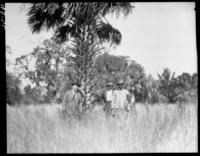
(120, 82)
(76, 83)
(109, 84)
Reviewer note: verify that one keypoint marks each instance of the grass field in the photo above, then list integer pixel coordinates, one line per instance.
(154, 128)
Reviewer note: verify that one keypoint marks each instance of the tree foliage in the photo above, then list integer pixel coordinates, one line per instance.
(49, 61)
(182, 88)
(68, 19)
(187, 87)
(13, 92)
(168, 85)
(112, 68)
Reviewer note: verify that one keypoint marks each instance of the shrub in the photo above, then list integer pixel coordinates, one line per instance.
(188, 96)
(168, 85)
(13, 92)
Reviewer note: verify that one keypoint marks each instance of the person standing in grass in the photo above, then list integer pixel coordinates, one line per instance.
(72, 103)
(108, 94)
(121, 102)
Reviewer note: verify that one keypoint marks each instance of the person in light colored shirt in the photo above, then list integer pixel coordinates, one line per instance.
(121, 101)
(108, 94)
(121, 96)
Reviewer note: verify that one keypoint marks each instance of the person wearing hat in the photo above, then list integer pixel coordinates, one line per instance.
(72, 102)
(108, 97)
(121, 100)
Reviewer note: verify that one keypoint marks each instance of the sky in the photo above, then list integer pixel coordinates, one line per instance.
(156, 35)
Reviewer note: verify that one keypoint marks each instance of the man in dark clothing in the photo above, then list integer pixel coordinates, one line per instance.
(72, 103)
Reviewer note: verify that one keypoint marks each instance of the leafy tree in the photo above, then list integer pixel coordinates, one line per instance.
(168, 85)
(152, 86)
(136, 80)
(185, 81)
(33, 95)
(49, 60)
(194, 82)
(13, 92)
(113, 68)
(187, 86)
(27, 90)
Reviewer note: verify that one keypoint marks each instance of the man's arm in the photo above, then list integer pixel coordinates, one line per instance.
(102, 94)
(64, 100)
(80, 108)
(129, 99)
(80, 102)
(133, 99)
(113, 99)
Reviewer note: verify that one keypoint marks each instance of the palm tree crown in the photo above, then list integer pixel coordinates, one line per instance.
(73, 19)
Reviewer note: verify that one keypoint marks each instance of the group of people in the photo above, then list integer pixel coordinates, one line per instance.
(117, 101)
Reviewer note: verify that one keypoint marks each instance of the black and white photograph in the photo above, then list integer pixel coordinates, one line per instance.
(101, 77)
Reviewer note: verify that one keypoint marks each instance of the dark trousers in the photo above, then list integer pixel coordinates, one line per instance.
(107, 109)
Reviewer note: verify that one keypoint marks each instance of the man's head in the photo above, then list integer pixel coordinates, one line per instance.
(75, 86)
(109, 85)
(120, 84)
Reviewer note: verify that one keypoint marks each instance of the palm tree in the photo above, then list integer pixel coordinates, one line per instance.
(87, 27)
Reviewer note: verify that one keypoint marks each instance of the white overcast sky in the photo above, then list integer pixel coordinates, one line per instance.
(155, 35)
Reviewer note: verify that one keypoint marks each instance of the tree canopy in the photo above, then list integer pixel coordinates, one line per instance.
(69, 19)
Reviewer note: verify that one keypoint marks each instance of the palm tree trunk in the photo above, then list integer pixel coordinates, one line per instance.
(84, 64)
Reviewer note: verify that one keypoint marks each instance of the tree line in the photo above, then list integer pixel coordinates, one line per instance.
(54, 73)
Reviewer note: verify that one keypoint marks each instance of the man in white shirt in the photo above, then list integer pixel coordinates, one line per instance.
(108, 97)
(121, 102)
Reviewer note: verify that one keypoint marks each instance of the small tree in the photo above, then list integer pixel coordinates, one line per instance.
(152, 90)
(168, 85)
(49, 60)
(13, 92)
(187, 85)
(195, 81)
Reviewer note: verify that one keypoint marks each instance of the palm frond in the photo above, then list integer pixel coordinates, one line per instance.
(107, 33)
(63, 33)
(42, 15)
(70, 18)
(117, 8)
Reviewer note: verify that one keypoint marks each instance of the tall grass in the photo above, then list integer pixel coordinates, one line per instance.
(150, 128)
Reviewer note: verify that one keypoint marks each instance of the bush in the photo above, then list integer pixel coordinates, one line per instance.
(188, 96)
(154, 97)
(27, 100)
(13, 92)
(168, 85)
